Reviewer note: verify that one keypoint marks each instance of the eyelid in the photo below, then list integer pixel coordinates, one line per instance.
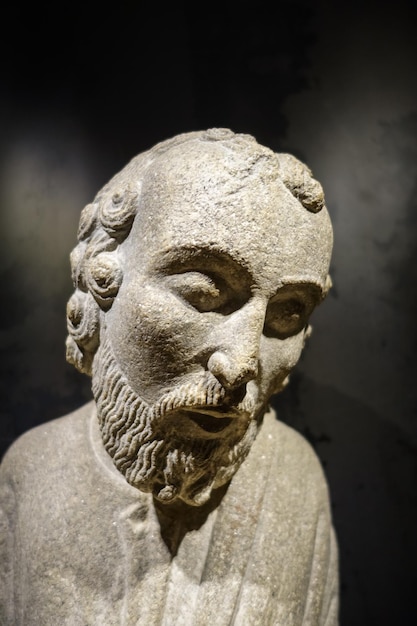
(310, 294)
(193, 279)
(217, 294)
(199, 290)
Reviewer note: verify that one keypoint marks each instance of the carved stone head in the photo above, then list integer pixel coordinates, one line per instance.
(197, 268)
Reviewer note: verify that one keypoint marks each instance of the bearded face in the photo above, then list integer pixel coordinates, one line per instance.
(159, 448)
(220, 276)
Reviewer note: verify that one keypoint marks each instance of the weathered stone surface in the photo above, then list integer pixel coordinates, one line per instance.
(176, 497)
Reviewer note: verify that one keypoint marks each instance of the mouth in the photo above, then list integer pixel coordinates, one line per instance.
(212, 419)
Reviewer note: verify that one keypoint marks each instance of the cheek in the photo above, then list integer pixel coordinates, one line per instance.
(154, 337)
(278, 358)
(164, 339)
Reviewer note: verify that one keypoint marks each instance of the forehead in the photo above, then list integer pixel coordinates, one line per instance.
(204, 196)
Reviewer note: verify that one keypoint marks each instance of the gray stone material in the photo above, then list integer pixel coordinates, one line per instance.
(177, 496)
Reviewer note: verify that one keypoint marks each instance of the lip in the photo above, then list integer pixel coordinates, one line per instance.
(212, 419)
(217, 412)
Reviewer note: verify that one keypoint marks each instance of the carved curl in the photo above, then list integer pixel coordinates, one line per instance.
(96, 272)
(116, 214)
(83, 330)
(298, 179)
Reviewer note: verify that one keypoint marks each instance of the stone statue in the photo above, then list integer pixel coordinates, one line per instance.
(176, 496)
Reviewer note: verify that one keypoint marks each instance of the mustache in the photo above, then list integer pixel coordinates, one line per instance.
(205, 393)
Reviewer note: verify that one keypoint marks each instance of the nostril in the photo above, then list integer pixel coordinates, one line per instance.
(235, 396)
(251, 369)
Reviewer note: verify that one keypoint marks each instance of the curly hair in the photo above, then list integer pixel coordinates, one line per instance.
(107, 221)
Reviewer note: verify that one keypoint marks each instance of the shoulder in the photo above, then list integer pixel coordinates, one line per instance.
(47, 444)
(290, 444)
(293, 460)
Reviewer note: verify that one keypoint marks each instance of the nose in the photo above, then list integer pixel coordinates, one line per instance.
(235, 358)
(229, 373)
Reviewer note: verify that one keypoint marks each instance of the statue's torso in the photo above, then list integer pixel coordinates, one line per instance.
(81, 546)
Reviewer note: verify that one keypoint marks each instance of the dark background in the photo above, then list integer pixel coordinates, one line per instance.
(82, 92)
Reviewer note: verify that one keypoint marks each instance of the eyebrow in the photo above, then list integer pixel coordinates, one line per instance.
(183, 258)
(208, 257)
(310, 288)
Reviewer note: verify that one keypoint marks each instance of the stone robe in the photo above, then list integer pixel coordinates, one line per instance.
(80, 546)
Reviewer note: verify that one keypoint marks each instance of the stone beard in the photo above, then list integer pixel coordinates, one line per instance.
(154, 455)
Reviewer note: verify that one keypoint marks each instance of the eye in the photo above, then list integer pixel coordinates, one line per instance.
(205, 293)
(286, 317)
